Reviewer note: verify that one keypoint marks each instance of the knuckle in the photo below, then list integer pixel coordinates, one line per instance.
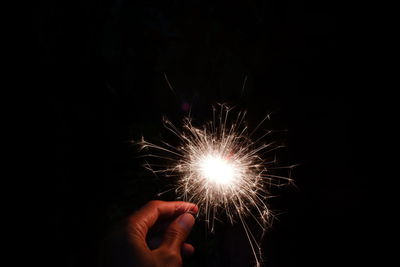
(154, 203)
(171, 257)
(172, 234)
(136, 229)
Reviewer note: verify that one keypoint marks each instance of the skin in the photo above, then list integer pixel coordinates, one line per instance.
(176, 221)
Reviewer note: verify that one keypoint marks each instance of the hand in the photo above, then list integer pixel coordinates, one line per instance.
(168, 253)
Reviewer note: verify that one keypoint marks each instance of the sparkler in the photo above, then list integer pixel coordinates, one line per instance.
(220, 168)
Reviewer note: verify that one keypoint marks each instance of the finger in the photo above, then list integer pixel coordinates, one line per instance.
(187, 250)
(177, 232)
(142, 220)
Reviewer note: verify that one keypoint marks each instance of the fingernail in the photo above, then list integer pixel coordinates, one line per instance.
(186, 220)
(192, 212)
(194, 209)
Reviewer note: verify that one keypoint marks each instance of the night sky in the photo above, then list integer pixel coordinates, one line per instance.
(100, 68)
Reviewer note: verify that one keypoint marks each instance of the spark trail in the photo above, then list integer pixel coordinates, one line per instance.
(220, 168)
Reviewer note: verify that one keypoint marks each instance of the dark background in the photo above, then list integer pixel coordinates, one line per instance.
(99, 71)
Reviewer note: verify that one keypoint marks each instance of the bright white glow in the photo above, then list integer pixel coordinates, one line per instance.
(217, 170)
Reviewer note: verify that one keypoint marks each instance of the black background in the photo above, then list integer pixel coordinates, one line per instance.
(99, 67)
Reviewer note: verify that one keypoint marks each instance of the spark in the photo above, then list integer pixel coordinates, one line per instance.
(220, 168)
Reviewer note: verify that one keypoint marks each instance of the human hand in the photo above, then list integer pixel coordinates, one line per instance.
(168, 253)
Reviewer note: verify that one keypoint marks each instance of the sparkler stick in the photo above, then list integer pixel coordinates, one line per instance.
(219, 167)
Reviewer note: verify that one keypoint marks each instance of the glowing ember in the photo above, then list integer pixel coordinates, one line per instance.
(217, 170)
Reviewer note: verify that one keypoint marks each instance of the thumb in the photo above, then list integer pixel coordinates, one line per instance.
(178, 231)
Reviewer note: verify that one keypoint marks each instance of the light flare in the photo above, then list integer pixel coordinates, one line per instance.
(220, 168)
